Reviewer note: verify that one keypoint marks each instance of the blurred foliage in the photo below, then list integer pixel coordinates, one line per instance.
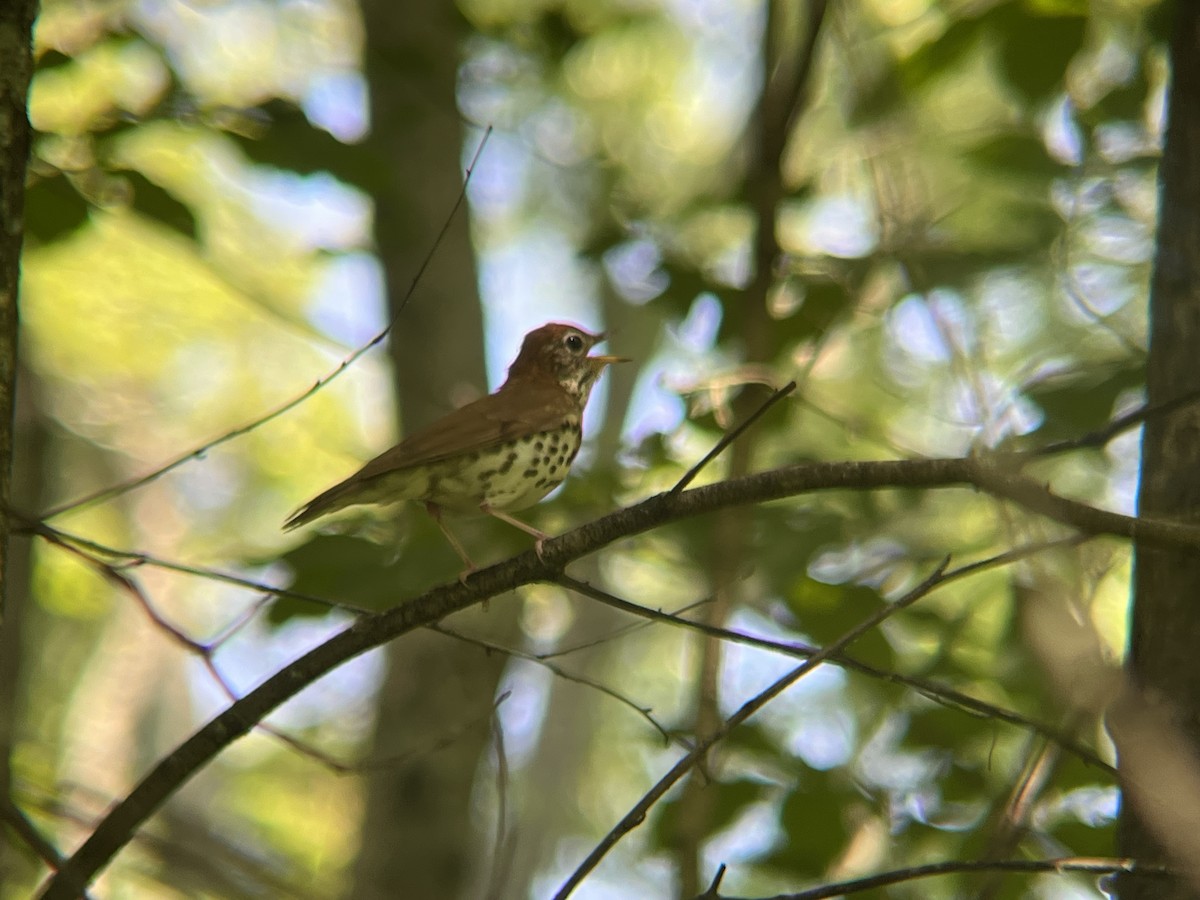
(966, 232)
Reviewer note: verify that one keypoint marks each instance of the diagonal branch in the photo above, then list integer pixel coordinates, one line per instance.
(368, 632)
(933, 690)
(730, 436)
(1084, 864)
(638, 813)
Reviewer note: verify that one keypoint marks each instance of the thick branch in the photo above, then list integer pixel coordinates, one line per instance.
(115, 830)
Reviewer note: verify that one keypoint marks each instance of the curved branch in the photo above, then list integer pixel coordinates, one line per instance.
(638, 812)
(115, 830)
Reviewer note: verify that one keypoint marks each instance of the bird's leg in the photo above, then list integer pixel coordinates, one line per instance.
(540, 536)
(435, 512)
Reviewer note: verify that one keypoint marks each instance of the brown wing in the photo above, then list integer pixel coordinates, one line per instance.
(486, 422)
(489, 421)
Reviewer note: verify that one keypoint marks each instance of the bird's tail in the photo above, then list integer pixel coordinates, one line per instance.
(318, 506)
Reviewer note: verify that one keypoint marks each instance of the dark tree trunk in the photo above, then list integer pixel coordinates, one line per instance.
(417, 837)
(1164, 652)
(16, 69)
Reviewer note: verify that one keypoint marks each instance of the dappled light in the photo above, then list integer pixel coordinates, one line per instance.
(837, 594)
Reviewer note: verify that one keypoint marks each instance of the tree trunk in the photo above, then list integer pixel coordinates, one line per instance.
(16, 29)
(1164, 665)
(418, 828)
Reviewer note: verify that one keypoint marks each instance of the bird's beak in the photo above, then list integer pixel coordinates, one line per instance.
(606, 360)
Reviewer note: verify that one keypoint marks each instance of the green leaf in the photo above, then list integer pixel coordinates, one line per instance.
(156, 203)
(726, 801)
(824, 302)
(828, 611)
(1035, 50)
(284, 138)
(941, 726)
(1016, 155)
(339, 568)
(812, 818)
(753, 739)
(1082, 839)
(52, 59)
(53, 209)
(1076, 403)
(940, 56)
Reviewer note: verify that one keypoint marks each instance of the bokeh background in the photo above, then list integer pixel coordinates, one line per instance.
(937, 217)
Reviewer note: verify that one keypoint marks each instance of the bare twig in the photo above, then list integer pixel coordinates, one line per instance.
(367, 632)
(643, 711)
(730, 436)
(616, 633)
(932, 690)
(119, 559)
(502, 846)
(13, 816)
(1090, 865)
(641, 809)
(1101, 436)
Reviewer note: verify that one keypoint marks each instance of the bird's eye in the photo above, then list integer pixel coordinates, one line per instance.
(573, 342)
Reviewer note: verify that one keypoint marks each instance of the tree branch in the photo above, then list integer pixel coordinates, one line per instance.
(115, 830)
(1091, 866)
(637, 814)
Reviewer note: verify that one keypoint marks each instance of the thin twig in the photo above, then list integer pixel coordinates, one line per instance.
(13, 816)
(1090, 865)
(1101, 436)
(931, 690)
(730, 436)
(381, 762)
(110, 573)
(125, 558)
(637, 814)
(501, 855)
(617, 633)
(119, 824)
(125, 487)
(643, 711)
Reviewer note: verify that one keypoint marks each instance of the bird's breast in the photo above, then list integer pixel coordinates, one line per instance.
(512, 475)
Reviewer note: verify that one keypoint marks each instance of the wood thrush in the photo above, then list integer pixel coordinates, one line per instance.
(504, 451)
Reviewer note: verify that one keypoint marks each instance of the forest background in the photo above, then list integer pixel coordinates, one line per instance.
(923, 239)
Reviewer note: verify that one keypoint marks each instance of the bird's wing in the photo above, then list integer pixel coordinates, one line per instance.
(479, 425)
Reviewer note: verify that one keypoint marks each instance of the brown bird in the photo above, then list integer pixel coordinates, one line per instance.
(504, 451)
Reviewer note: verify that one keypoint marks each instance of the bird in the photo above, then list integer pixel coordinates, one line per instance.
(505, 451)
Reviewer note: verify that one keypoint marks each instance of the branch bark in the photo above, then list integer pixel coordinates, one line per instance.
(16, 30)
(16, 70)
(1165, 628)
(118, 827)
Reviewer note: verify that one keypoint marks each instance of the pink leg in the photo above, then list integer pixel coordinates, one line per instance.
(540, 536)
(435, 513)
